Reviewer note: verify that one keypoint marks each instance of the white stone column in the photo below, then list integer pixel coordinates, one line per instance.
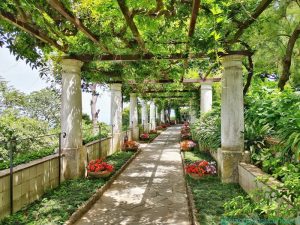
(157, 118)
(116, 115)
(133, 123)
(152, 116)
(145, 116)
(73, 162)
(232, 118)
(162, 116)
(206, 97)
(192, 113)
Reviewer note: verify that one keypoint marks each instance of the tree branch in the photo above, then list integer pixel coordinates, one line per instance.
(59, 7)
(129, 20)
(249, 67)
(244, 25)
(31, 29)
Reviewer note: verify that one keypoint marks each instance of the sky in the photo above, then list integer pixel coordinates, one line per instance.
(20, 76)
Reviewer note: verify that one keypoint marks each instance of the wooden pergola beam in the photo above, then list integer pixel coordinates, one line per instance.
(198, 80)
(164, 91)
(137, 57)
(195, 10)
(31, 30)
(161, 81)
(59, 7)
(129, 20)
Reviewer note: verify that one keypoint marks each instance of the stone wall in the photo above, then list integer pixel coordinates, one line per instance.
(248, 174)
(104, 147)
(30, 182)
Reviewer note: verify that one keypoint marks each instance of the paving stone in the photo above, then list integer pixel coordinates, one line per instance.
(150, 191)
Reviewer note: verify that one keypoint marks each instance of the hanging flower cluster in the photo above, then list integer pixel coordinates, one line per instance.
(187, 145)
(201, 168)
(98, 166)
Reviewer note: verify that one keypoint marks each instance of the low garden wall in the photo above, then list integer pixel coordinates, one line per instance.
(30, 181)
(33, 179)
(248, 175)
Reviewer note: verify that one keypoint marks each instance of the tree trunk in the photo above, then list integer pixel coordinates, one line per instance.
(250, 74)
(94, 111)
(287, 59)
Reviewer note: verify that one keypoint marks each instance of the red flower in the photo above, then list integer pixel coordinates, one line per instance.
(201, 168)
(98, 165)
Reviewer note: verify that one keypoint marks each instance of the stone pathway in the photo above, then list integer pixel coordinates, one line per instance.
(150, 191)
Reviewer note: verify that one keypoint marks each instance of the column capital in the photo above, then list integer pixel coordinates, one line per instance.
(133, 95)
(206, 85)
(71, 65)
(232, 60)
(115, 87)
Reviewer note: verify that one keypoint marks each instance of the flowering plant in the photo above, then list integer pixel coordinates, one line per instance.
(201, 168)
(186, 136)
(187, 145)
(164, 126)
(186, 124)
(144, 136)
(183, 131)
(99, 166)
(159, 128)
(130, 145)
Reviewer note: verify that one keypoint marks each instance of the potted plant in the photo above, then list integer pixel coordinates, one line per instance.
(98, 168)
(159, 128)
(144, 137)
(186, 136)
(187, 145)
(200, 169)
(130, 146)
(153, 132)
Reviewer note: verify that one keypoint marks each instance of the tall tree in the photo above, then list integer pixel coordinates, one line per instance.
(44, 105)
(94, 111)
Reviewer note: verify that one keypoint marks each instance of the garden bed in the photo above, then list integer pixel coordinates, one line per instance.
(57, 205)
(151, 138)
(210, 191)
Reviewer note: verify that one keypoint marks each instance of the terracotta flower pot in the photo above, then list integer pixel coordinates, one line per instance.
(133, 149)
(100, 174)
(196, 176)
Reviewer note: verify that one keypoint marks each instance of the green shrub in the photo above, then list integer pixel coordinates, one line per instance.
(207, 130)
(27, 132)
(89, 136)
(26, 157)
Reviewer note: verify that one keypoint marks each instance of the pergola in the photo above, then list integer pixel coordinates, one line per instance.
(80, 35)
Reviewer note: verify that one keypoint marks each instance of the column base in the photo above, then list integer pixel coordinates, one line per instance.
(228, 165)
(73, 163)
(135, 133)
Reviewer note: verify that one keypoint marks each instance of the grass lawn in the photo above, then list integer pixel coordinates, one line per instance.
(57, 205)
(209, 193)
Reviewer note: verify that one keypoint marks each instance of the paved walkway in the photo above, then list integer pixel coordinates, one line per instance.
(150, 191)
